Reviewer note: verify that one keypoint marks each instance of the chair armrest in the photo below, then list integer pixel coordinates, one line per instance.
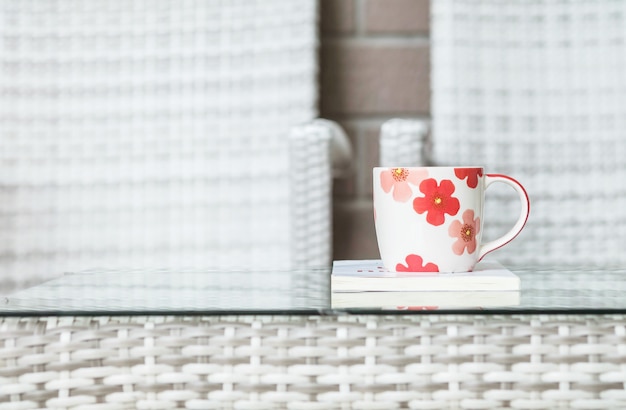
(318, 151)
(341, 155)
(306, 140)
(404, 142)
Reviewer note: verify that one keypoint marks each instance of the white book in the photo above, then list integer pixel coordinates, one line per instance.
(370, 275)
(425, 300)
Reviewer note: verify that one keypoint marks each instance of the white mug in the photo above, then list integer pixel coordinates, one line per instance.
(429, 219)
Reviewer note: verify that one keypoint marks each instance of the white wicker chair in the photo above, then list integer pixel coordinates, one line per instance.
(138, 133)
(537, 91)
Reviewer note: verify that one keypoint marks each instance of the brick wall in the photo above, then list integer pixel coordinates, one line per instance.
(374, 66)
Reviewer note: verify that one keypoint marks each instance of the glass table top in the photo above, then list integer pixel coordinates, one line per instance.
(307, 291)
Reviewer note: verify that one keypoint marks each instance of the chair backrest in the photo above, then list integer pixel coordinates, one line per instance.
(149, 133)
(537, 90)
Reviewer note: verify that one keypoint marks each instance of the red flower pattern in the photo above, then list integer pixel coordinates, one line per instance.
(466, 232)
(471, 174)
(437, 202)
(398, 179)
(415, 263)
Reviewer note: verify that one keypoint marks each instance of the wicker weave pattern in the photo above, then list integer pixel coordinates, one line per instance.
(403, 143)
(537, 91)
(139, 133)
(311, 179)
(300, 362)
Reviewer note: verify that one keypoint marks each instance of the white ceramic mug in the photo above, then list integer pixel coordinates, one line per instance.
(429, 219)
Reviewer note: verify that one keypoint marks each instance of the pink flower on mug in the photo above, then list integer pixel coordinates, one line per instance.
(471, 174)
(415, 263)
(398, 179)
(465, 232)
(437, 202)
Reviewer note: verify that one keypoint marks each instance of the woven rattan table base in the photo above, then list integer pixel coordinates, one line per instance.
(314, 362)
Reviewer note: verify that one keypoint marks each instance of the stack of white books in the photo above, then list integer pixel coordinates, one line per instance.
(367, 284)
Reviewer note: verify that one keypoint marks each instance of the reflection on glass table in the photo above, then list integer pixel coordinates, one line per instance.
(306, 291)
(150, 290)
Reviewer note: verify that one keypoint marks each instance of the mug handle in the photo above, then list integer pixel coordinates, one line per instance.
(521, 221)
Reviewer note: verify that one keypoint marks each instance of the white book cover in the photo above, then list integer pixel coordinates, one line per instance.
(370, 275)
(425, 300)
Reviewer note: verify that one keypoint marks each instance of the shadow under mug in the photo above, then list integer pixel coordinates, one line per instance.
(429, 219)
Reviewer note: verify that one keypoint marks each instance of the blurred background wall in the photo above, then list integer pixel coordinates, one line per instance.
(374, 66)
